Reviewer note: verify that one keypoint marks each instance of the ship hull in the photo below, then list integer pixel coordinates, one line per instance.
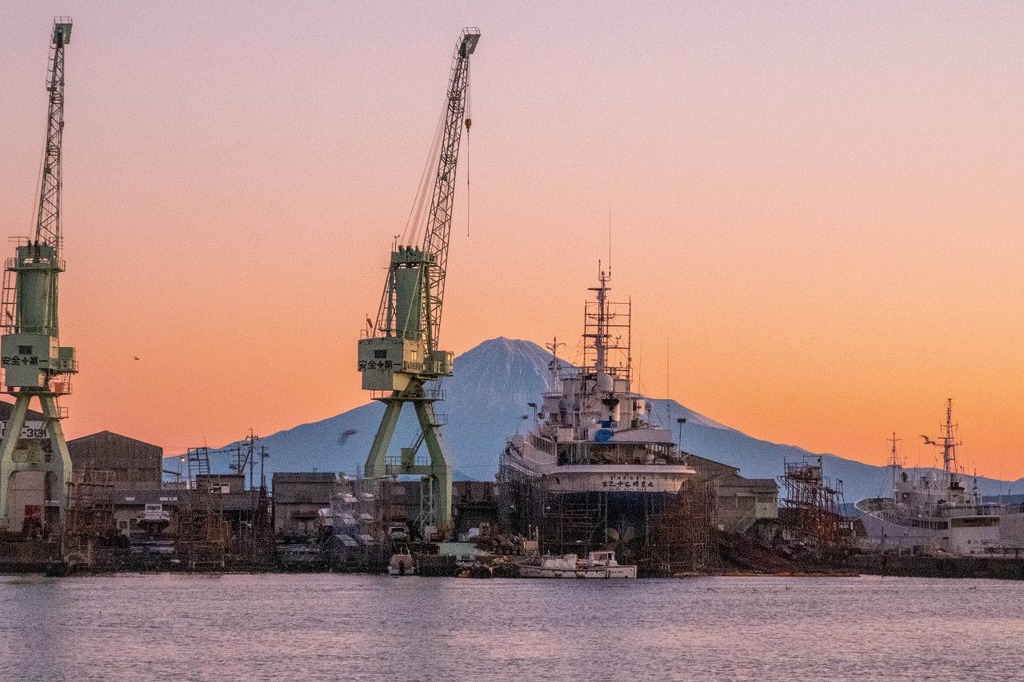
(626, 572)
(583, 511)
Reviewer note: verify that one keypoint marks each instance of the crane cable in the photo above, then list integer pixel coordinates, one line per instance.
(414, 223)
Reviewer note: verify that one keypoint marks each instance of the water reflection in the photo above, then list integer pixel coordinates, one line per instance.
(328, 627)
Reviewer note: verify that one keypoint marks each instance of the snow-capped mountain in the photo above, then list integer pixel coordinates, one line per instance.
(487, 401)
(484, 403)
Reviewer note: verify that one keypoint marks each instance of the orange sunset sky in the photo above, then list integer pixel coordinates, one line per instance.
(816, 207)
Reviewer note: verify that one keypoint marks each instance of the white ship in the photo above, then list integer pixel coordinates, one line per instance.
(937, 512)
(597, 565)
(595, 473)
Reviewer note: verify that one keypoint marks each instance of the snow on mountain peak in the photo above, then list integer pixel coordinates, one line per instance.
(486, 402)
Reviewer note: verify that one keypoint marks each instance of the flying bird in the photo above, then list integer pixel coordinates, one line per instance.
(345, 434)
(927, 440)
(136, 357)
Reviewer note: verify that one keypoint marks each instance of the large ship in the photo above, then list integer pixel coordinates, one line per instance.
(939, 511)
(596, 472)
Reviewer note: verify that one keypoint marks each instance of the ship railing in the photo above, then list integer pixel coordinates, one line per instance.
(512, 449)
(578, 453)
(400, 462)
(972, 510)
(542, 444)
(1002, 550)
(902, 519)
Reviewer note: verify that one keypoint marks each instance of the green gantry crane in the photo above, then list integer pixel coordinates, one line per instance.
(34, 363)
(400, 353)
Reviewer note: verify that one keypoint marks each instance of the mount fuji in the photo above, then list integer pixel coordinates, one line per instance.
(487, 401)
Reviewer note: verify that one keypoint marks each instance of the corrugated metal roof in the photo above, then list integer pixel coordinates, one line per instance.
(109, 436)
(303, 477)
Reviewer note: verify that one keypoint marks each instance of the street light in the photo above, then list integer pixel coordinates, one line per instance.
(681, 421)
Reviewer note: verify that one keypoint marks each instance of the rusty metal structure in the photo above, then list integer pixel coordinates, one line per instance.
(90, 515)
(201, 535)
(811, 510)
(684, 538)
(672, 535)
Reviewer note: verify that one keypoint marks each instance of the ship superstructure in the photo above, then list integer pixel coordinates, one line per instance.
(940, 510)
(596, 472)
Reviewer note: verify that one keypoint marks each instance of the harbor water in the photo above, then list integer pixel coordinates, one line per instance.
(358, 627)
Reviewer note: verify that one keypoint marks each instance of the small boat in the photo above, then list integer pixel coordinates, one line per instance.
(401, 564)
(601, 565)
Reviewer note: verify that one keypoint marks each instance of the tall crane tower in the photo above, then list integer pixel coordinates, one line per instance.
(401, 351)
(35, 365)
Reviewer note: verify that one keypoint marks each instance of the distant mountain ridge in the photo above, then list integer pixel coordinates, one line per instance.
(486, 401)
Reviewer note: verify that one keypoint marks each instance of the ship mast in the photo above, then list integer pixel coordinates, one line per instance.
(600, 336)
(554, 367)
(949, 442)
(607, 335)
(894, 461)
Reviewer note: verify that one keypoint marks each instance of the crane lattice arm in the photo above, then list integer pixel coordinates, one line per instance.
(48, 222)
(439, 220)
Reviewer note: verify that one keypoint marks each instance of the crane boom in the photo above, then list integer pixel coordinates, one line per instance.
(48, 222)
(439, 221)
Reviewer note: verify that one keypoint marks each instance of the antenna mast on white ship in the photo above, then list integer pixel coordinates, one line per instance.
(949, 444)
(601, 335)
(894, 461)
(602, 321)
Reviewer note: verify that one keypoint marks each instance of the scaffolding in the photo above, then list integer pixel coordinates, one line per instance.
(663, 535)
(90, 516)
(682, 538)
(201, 535)
(251, 531)
(811, 511)
(574, 523)
(358, 534)
(198, 463)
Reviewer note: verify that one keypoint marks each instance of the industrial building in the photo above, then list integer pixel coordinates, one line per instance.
(135, 465)
(739, 502)
(298, 499)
